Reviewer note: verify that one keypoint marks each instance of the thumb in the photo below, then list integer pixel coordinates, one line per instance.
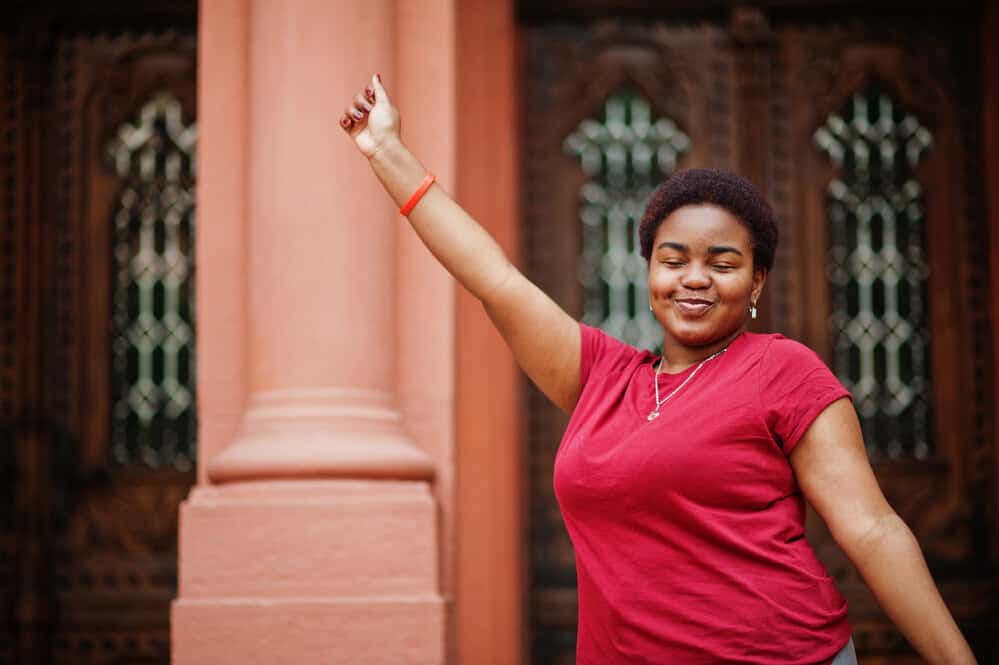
(380, 94)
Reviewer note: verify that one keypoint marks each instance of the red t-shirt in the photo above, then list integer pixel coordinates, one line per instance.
(689, 529)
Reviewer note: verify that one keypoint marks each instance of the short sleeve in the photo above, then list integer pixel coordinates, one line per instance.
(601, 354)
(795, 387)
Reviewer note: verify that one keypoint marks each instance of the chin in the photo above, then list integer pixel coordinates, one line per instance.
(700, 334)
(694, 336)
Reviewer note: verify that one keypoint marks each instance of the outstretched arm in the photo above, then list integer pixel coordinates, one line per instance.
(544, 339)
(836, 478)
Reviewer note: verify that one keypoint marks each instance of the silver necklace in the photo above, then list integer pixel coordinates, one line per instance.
(655, 380)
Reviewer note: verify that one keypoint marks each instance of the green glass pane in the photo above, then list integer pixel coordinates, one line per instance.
(878, 269)
(152, 338)
(624, 152)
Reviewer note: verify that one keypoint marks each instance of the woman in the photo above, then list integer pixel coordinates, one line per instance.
(681, 478)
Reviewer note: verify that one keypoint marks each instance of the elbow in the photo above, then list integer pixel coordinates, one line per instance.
(492, 292)
(859, 537)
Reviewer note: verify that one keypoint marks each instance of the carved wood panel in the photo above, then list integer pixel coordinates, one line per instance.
(685, 73)
(750, 91)
(95, 551)
(9, 168)
(945, 499)
(115, 555)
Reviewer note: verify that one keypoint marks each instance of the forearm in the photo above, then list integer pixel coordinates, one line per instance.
(889, 559)
(462, 246)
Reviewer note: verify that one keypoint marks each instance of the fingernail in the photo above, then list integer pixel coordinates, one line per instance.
(379, 77)
(369, 93)
(367, 108)
(358, 115)
(345, 122)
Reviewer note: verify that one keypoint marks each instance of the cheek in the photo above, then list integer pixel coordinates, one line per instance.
(661, 276)
(657, 280)
(736, 288)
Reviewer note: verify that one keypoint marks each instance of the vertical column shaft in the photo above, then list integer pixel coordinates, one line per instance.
(312, 538)
(321, 258)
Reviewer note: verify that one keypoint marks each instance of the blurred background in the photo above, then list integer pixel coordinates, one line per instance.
(865, 126)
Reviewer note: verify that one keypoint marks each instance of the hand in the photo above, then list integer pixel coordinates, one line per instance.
(371, 120)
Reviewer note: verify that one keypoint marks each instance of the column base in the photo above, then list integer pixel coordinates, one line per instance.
(321, 433)
(321, 454)
(403, 631)
(309, 571)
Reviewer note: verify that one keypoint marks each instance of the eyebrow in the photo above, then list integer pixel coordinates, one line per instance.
(714, 249)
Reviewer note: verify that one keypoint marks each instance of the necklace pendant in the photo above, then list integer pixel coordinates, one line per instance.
(654, 415)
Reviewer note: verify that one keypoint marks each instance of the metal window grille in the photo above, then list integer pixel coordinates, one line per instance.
(877, 269)
(152, 341)
(625, 153)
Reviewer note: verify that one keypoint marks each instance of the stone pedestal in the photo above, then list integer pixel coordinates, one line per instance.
(313, 536)
(309, 571)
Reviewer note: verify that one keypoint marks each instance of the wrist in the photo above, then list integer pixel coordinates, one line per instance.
(387, 150)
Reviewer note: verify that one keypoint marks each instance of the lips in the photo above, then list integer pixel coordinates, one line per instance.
(692, 306)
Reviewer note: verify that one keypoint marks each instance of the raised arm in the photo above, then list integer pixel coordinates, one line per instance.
(544, 339)
(837, 480)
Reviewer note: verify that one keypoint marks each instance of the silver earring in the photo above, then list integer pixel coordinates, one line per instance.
(752, 311)
(650, 307)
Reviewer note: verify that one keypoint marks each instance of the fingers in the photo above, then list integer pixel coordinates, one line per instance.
(379, 90)
(354, 114)
(351, 117)
(362, 105)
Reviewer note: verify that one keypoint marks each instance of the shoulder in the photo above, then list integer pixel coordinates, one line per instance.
(771, 350)
(600, 343)
(787, 365)
(603, 353)
(781, 349)
(774, 349)
(795, 386)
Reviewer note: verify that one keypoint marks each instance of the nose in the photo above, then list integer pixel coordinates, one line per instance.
(696, 276)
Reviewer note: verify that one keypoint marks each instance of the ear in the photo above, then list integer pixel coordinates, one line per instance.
(759, 279)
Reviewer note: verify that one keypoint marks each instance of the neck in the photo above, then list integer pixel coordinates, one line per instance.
(678, 356)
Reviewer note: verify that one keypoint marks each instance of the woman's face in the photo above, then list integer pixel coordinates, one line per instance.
(701, 276)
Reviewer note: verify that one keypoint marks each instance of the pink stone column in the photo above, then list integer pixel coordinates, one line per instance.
(320, 278)
(313, 536)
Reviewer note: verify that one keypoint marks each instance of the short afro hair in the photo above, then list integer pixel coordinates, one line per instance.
(716, 187)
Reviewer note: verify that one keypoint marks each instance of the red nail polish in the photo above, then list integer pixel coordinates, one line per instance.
(345, 122)
(379, 77)
(369, 93)
(358, 115)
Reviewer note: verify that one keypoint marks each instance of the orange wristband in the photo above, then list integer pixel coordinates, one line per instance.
(418, 194)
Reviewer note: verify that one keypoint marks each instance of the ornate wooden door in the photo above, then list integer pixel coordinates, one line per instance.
(96, 366)
(864, 135)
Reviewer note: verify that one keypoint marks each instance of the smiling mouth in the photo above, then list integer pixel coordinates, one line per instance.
(692, 306)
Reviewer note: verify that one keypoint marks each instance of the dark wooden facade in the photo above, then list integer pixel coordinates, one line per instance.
(750, 86)
(87, 547)
(88, 563)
